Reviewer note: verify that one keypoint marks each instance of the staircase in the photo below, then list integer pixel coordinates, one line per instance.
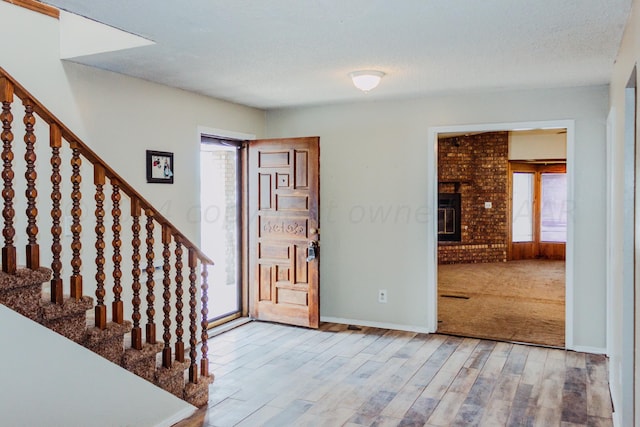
(119, 320)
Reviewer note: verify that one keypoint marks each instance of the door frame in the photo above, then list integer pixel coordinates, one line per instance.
(244, 215)
(630, 241)
(432, 200)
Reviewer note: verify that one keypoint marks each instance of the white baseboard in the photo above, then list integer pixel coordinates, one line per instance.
(382, 325)
(587, 349)
(616, 419)
(425, 330)
(177, 417)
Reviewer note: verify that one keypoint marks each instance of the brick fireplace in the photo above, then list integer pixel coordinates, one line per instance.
(449, 217)
(474, 170)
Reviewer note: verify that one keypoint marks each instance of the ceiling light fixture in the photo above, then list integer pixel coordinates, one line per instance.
(366, 80)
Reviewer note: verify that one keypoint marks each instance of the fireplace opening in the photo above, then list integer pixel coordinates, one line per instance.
(449, 213)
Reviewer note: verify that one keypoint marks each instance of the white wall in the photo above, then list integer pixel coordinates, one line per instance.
(622, 374)
(537, 145)
(373, 160)
(92, 390)
(119, 118)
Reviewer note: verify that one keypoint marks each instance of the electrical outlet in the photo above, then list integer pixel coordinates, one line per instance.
(382, 296)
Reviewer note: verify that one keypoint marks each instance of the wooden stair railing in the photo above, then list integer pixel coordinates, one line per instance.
(172, 288)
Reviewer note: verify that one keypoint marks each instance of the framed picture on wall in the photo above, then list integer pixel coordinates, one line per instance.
(159, 167)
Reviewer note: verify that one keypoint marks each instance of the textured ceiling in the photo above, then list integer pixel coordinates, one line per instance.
(282, 53)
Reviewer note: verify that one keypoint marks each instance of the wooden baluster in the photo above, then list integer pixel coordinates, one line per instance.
(193, 328)
(179, 305)
(31, 193)
(117, 307)
(9, 261)
(100, 309)
(75, 282)
(136, 332)
(151, 312)
(166, 296)
(55, 143)
(204, 323)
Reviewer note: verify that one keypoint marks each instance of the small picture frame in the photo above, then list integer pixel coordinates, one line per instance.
(159, 167)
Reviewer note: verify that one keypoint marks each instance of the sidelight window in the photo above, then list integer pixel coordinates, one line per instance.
(553, 216)
(522, 212)
(220, 224)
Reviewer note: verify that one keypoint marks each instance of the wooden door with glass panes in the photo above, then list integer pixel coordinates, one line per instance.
(538, 227)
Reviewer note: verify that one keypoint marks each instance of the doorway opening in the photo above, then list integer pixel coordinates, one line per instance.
(485, 252)
(221, 225)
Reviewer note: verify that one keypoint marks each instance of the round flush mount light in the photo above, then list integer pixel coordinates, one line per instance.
(366, 80)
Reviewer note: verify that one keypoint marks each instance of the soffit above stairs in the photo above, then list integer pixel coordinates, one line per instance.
(284, 53)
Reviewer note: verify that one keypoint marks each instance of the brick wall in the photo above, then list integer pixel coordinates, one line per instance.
(476, 166)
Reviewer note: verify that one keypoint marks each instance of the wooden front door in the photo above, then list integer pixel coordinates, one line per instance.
(284, 230)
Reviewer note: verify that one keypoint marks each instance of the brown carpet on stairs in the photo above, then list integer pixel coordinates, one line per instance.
(22, 292)
(27, 292)
(142, 362)
(67, 319)
(522, 301)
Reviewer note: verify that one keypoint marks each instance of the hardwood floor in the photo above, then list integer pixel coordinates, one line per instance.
(276, 375)
(522, 301)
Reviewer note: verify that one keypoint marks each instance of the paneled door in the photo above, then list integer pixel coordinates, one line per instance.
(284, 230)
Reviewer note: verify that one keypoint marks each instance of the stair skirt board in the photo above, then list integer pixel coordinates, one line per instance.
(22, 293)
(56, 379)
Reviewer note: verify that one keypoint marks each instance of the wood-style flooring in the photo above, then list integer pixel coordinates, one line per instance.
(276, 375)
(522, 301)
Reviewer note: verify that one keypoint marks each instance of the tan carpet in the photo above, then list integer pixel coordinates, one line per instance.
(521, 301)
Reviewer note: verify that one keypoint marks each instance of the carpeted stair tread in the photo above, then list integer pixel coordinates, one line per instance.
(142, 362)
(113, 330)
(68, 319)
(69, 307)
(172, 379)
(198, 394)
(24, 277)
(132, 355)
(22, 292)
(108, 342)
